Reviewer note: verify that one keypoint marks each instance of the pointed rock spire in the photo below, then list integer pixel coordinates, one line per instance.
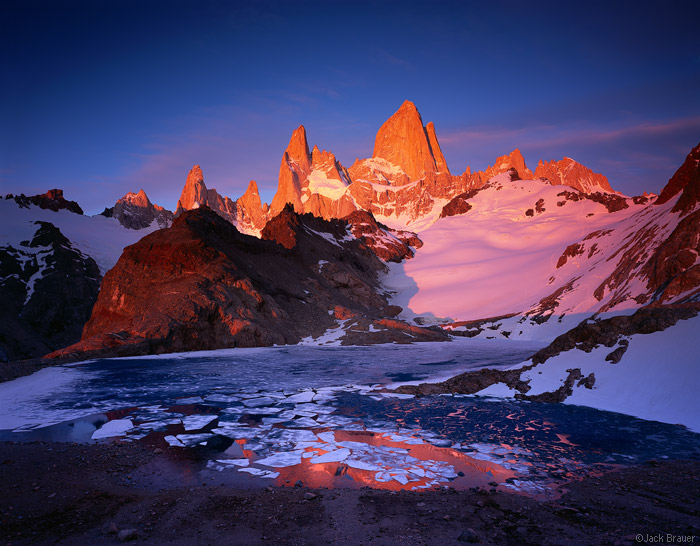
(295, 166)
(440, 162)
(298, 149)
(403, 141)
(195, 191)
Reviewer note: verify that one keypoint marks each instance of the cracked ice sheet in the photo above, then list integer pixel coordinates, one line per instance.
(116, 427)
(316, 408)
(235, 433)
(259, 472)
(304, 396)
(195, 422)
(257, 402)
(234, 462)
(336, 456)
(193, 439)
(282, 458)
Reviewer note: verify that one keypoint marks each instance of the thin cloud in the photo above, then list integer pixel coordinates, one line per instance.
(545, 136)
(393, 60)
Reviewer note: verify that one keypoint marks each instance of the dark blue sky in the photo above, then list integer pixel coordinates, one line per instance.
(101, 98)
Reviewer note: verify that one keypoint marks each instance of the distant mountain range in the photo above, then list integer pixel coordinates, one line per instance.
(394, 248)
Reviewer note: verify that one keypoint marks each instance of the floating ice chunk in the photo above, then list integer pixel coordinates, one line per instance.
(257, 402)
(355, 446)
(116, 427)
(235, 433)
(440, 442)
(195, 422)
(401, 478)
(323, 397)
(234, 462)
(159, 425)
(418, 471)
(304, 422)
(259, 472)
(313, 407)
(304, 445)
(304, 396)
(328, 437)
(362, 465)
(292, 435)
(262, 410)
(193, 439)
(282, 458)
(405, 439)
(382, 476)
(222, 398)
(228, 423)
(273, 420)
(189, 400)
(335, 420)
(174, 442)
(332, 456)
(307, 454)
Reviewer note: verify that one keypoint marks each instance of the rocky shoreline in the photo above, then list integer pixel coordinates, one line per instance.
(70, 494)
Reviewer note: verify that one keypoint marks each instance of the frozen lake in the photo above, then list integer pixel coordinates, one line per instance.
(282, 414)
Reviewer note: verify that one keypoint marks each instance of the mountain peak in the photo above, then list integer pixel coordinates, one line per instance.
(298, 148)
(195, 191)
(403, 141)
(139, 199)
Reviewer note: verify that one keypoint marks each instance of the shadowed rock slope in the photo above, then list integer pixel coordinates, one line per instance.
(201, 284)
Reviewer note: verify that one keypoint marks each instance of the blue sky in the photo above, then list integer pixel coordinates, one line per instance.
(101, 98)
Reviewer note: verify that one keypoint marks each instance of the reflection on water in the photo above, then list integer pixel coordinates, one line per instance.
(227, 419)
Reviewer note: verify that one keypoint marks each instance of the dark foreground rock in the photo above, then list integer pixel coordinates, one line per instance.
(43, 500)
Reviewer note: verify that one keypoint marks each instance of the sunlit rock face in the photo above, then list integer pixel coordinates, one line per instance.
(568, 172)
(51, 200)
(135, 211)
(247, 213)
(403, 141)
(201, 284)
(405, 184)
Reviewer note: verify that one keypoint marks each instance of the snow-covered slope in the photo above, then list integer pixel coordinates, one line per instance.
(657, 377)
(99, 237)
(501, 256)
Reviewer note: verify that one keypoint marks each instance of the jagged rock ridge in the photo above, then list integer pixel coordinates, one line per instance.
(406, 182)
(135, 211)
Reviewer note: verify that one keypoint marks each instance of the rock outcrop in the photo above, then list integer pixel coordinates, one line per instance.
(568, 172)
(247, 213)
(47, 289)
(135, 211)
(201, 284)
(51, 200)
(685, 181)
